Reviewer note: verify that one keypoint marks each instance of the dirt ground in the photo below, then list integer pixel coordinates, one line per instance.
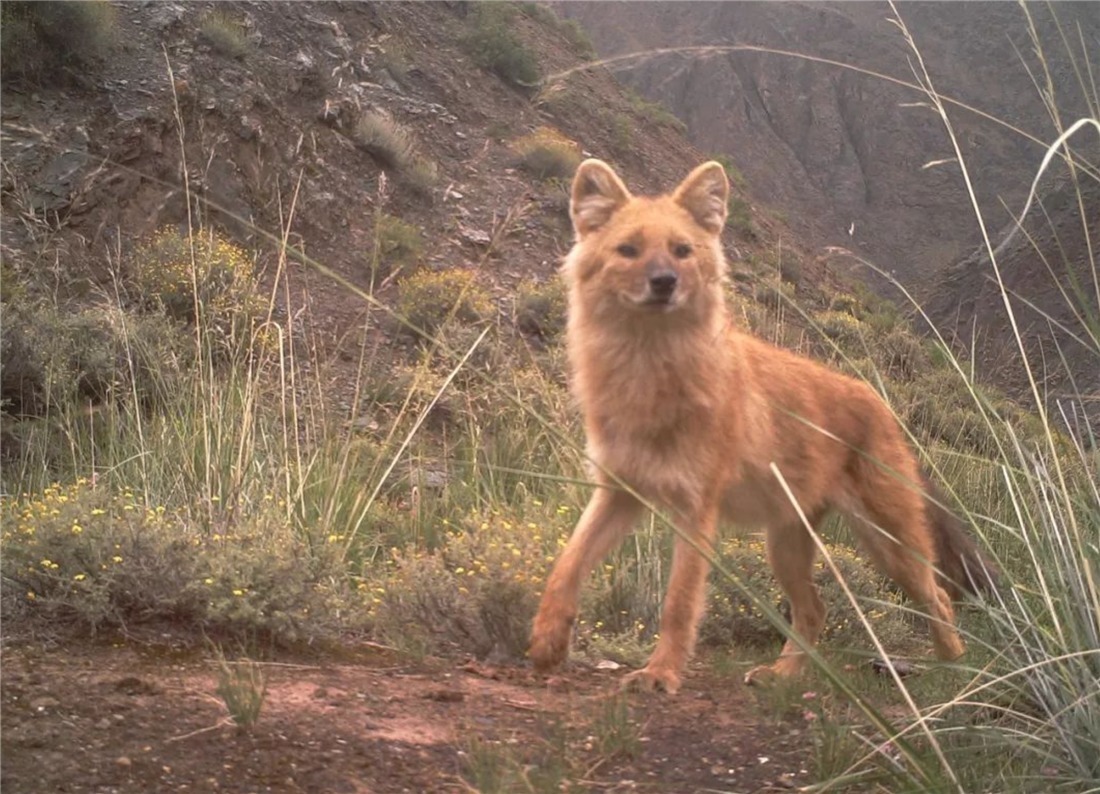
(130, 716)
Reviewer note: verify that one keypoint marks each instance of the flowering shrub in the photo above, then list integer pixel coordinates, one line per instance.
(430, 297)
(202, 278)
(81, 553)
(477, 592)
(99, 557)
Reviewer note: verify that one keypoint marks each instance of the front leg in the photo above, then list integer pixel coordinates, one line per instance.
(683, 607)
(604, 523)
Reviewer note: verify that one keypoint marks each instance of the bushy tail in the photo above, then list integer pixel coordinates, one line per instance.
(963, 568)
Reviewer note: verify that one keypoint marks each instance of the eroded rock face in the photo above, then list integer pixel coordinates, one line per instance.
(841, 152)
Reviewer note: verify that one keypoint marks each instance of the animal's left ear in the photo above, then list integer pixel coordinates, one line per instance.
(704, 194)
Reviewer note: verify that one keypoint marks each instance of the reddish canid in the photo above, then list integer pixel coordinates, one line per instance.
(691, 413)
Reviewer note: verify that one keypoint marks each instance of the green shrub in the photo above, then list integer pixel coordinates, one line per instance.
(774, 295)
(848, 304)
(81, 554)
(547, 154)
(622, 134)
(790, 267)
(739, 218)
(900, 354)
(22, 366)
(394, 147)
(397, 242)
(541, 308)
(844, 329)
(45, 42)
(494, 46)
(429, 298)
(53, 360)
(937, 405)
(572, 30)
(225, 34)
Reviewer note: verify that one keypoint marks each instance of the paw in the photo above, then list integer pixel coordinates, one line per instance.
(549, 644)
(653, 679)
(786, 667)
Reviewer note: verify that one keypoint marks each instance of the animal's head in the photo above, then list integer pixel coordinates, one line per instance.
(655, 255)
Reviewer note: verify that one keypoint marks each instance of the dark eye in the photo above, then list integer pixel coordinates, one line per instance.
(681, 250)
(627, 250)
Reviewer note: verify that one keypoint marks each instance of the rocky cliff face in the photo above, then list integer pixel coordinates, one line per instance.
(1052, 312)
(842, 151)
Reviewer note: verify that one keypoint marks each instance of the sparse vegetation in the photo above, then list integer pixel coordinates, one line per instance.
(242, 686)
(737, 179)
(494, 46)
(547, 154)
(46, 43)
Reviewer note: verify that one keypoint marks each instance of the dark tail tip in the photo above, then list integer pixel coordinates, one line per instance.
(963, 568)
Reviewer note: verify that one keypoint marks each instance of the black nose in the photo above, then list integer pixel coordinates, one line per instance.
(662, 284)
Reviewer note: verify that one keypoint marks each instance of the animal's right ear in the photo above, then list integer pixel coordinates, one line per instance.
(597, 194)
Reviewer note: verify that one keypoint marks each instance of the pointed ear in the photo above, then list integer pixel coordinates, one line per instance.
(704, 194)
(597, 194)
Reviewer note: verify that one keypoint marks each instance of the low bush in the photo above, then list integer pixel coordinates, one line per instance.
(398, 245)
(655, 113)
(547, 154)
(225, 34)
(97, 557)
(477, 592)
(541, 308)
(429, 298)
(739, 218)
(51, 360)
(572, 30)
(394, 147)
(202, 279)
(494, 46)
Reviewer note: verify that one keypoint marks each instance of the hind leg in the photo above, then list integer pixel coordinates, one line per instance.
(791, 552)
(899, 539)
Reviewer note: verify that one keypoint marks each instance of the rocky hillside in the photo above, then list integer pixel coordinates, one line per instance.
(281, 120)
(843, 152)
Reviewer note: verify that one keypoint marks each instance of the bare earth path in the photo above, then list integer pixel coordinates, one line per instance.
(128, 717)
